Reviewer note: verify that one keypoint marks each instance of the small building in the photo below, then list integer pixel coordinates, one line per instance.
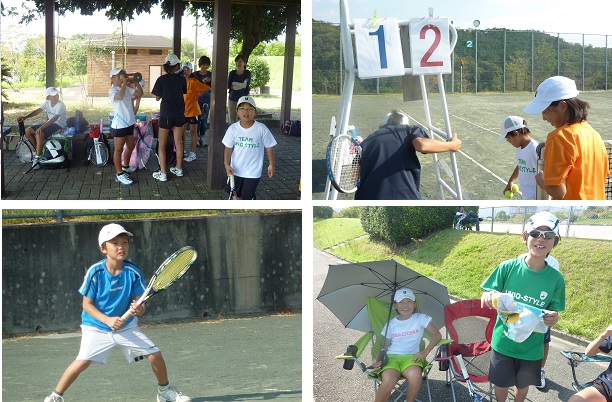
(134, 53)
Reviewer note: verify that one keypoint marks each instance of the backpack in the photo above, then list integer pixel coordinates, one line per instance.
(55, 153)
(292, 128)
(78, 122)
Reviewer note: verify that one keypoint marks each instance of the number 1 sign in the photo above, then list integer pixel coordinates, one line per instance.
(379, 50)
(430, 46)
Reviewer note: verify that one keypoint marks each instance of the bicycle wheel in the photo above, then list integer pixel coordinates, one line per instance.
(24, 151)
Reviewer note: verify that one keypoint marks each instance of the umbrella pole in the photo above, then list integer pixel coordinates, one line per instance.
(383, 353)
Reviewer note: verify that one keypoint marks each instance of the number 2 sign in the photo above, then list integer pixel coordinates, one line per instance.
(430, 46)
(379, 50)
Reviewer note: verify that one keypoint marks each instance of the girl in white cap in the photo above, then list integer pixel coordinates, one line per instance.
(575, 158)
(56, 120)
(402, 347)
(170, 88)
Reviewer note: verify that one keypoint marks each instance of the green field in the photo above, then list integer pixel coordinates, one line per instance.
(483, 163)
(462, 260)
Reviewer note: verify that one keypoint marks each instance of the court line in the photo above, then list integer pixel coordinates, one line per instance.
(474, 124)
(464, 154)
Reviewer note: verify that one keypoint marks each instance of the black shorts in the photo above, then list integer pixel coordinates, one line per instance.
(506, 371)
(547, 336)
(169, 122)
(192, 120)
(245, 187)
(122, 132)
(603, 389)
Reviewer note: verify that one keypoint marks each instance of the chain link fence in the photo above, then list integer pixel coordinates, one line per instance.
(496, 60)
(592, 222)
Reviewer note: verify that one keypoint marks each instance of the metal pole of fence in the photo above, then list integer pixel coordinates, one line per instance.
(532, 62)
(558, 54)
(569, 221)
(59, 215)
(504, 66)
(606, 62)
(583, 62)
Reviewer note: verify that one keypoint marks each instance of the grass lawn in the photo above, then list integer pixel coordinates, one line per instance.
(462, 260)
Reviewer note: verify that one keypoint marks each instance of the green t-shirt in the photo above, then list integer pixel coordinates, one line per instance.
(543, 289)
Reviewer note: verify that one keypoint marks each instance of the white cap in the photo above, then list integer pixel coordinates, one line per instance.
(246, 99)
(543, 218)
(551, 90)
(51, 91)
(111, 231)
(115, 71)
(509, 124)
(405, 119)
(173, 59)
(404, 293)
(188, 65)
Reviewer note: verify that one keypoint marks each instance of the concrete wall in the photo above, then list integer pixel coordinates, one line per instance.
(247, 263)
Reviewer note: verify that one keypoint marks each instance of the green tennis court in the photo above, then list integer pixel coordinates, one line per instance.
(246, 359)
(483, 163)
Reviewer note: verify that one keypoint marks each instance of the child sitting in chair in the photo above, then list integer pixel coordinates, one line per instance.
(601, 390)
(401, 349)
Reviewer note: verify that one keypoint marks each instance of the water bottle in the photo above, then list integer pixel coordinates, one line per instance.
(77, 123)
(350, 351)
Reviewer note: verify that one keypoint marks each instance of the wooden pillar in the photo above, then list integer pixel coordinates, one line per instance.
(215, 174)
(285, 112)
(178, 17)
(50, 42)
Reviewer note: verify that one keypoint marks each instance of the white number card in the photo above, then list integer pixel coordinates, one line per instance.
(430, 46)
(379, 50)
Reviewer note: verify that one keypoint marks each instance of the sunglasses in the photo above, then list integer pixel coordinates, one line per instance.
(547, 234)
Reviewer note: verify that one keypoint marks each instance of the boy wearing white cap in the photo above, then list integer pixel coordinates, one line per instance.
(575, 159)
(111, 287)
(56, 120)
(514, 130)
(530, 280)
(122, 127)
(170, 88)
(403, 335)
(245, 142)
(390, 168)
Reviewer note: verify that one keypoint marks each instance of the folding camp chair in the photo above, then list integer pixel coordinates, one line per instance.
(470, 327)
(378, 312)
(575, 358)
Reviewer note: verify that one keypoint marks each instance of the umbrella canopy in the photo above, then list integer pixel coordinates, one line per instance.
(347, 286)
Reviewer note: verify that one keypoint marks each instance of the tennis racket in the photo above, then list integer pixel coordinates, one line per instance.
(167, 274)
(343, 158)
(25, 150)
(146, 156)
(232, 188)
(99, 153)
(466, 376)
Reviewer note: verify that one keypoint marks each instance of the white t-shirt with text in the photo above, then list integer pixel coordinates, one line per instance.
(406, 335)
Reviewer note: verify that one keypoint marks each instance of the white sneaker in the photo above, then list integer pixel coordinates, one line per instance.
(54, 398)
(190, 157)
(36, 163)
(542, 380)
(124, 179)
(171, 394)
(129, 169)
(176, 171)
(159, 175)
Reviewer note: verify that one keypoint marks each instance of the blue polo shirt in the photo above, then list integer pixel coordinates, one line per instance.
(111, 295)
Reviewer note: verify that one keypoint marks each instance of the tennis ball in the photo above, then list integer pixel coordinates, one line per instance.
(515, 188)
(508, 194)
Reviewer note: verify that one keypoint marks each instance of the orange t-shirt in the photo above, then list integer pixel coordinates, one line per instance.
(194, 89)
(577, 154)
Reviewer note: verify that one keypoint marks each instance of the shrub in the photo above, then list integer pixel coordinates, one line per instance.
(260, 72)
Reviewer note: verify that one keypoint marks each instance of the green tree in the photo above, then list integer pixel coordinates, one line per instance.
(275, 49)
(260, 71)
(501, 216)
(322, 212)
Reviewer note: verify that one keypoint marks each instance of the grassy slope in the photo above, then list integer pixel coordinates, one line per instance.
(462, 260)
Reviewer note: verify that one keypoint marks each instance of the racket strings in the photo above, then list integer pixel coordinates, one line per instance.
(345, 158)
(174, 269)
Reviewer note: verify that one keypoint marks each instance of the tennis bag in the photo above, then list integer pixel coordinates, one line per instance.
(55, 153)
(292, 128)
(95, 131)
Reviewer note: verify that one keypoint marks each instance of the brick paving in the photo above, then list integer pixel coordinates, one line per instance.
(98, 183)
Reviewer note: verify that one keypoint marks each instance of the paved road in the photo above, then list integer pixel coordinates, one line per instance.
(246, 359)
(332, 383)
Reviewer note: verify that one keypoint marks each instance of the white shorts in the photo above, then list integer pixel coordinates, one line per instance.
(133, 343)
